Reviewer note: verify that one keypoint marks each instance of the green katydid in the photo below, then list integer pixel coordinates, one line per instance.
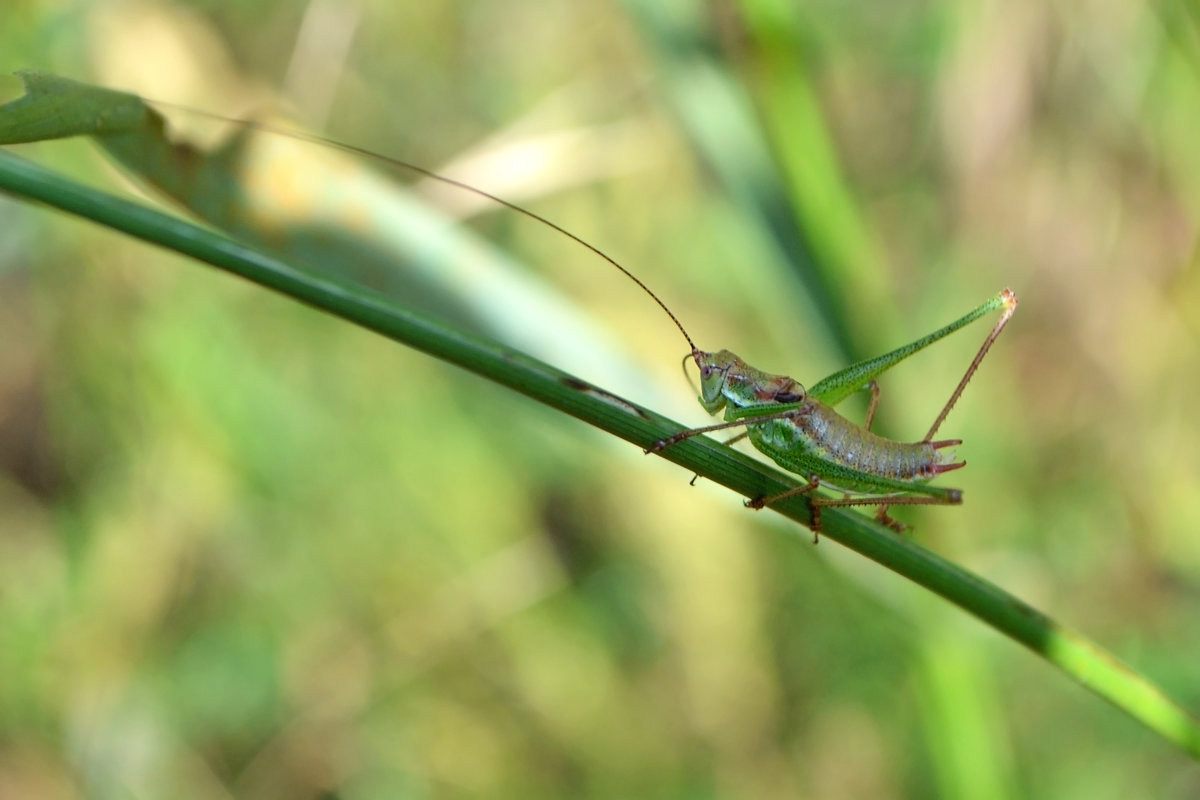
(802, 432)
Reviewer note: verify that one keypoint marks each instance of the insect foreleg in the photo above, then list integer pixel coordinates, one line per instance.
(746, 417)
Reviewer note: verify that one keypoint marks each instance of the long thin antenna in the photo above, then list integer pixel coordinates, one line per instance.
(428, 173)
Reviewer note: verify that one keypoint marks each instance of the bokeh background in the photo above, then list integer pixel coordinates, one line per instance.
(247, 551)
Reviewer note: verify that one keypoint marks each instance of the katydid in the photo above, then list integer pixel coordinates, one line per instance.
(798, 429)
(802, 432)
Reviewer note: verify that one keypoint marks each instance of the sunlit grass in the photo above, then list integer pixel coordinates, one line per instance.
(240, 532)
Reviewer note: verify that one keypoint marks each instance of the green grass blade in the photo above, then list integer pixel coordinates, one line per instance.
(805, 150)
(1072, 653)
(720, 119)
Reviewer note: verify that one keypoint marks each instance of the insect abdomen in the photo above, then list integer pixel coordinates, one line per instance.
(853, 446)
(818, 430)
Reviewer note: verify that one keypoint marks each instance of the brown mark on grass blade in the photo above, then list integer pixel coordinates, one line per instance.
(603, 396)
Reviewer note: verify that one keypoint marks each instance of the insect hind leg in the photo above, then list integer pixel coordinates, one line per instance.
(873, 388)
(953, 498)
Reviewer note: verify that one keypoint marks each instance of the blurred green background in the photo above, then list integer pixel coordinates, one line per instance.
(247, 551)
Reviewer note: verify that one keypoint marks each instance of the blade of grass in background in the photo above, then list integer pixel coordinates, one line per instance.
(719, 117)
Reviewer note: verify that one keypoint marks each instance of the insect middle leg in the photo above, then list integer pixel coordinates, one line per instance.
(813, 483)
(663, 444)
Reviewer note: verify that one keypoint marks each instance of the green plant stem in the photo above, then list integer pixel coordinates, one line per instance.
(1073, 654)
